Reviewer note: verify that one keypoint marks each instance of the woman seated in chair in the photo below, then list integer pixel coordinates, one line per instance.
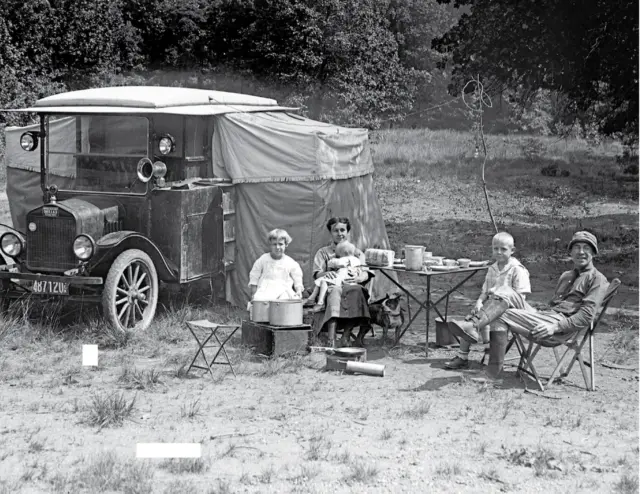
(347, 304)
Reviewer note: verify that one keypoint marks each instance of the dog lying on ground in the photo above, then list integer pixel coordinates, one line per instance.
(388, 314)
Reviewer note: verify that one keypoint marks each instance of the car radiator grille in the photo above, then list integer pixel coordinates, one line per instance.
(50, 246)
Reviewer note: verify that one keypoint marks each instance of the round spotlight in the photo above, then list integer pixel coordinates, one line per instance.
(11, 244)
(83, 247)
(29, 141)
(159, 169)
(32, 227)
(166, 144)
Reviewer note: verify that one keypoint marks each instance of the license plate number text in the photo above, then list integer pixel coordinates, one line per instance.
(50, 287)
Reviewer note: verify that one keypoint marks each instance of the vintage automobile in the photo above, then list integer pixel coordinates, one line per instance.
(128, 199)
(119, 191)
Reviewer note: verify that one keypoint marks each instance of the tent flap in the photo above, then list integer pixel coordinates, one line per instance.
(277, 147)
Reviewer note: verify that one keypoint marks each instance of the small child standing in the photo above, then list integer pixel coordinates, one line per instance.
(344, 265)
(507, 271)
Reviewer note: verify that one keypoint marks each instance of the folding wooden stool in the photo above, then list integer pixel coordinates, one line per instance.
(209, 330)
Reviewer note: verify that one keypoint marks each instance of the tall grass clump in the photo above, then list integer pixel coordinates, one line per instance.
(107, 473)
(109, 410)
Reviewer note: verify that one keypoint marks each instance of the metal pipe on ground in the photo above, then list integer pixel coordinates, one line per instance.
(365, 368)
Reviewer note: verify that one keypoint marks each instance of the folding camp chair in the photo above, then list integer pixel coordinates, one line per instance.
(573, 349)
(209, 330)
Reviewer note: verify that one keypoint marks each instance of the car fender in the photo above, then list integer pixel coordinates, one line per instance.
(113, 244)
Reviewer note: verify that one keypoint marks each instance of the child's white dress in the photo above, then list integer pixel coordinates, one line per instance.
(344, 267)
(276, 278)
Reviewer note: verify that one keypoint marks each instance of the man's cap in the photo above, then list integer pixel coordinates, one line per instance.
(587, 238)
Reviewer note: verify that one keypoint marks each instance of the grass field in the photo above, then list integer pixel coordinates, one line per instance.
(284, 425)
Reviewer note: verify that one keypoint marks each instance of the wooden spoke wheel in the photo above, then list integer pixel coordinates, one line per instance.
(130, 293)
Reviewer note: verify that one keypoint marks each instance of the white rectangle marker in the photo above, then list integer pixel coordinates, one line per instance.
(90, 355)
(168, 450)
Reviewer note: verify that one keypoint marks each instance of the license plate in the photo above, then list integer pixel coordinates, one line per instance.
(50, 288)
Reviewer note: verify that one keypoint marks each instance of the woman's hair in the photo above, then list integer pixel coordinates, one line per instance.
(278, 234)
(344, 249)
(339, 219)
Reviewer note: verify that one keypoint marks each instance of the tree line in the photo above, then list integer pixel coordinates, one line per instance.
(360, 62)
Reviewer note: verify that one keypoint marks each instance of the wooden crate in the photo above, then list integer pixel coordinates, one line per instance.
(275, 340)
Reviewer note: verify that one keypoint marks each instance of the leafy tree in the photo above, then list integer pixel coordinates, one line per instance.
(90, 38)
(172, 33)
(25, 56)
(338, 56)
(585, 50)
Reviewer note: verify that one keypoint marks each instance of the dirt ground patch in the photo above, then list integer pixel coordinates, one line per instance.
(284, 425)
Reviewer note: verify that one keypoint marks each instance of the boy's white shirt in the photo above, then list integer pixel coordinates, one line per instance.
(513, 275)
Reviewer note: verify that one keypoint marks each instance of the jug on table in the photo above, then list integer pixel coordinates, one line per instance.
(413, 255)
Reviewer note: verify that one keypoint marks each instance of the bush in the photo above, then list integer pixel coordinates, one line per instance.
(550, 170)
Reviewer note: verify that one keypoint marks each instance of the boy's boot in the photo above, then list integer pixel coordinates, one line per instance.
(497, 349)
(460, 361)
(469, 330)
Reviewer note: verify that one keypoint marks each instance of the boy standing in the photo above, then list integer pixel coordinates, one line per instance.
(506, 272)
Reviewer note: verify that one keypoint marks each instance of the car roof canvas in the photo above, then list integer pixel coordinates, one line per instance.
(150, 97)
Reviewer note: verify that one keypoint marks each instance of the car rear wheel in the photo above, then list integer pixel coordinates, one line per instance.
(130, 293)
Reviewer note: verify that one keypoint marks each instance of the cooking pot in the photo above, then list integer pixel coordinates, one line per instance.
(285, 312)
(260, 311)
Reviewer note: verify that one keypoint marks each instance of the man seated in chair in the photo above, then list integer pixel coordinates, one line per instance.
(573, 307)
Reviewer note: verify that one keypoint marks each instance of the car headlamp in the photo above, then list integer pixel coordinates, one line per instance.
(11, 244)
(29, 141)
(84, 247)
(166, 144)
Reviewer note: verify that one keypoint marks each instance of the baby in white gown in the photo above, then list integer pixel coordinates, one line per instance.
(345, 265)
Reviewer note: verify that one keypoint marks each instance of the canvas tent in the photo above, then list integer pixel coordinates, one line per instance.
(288, 172)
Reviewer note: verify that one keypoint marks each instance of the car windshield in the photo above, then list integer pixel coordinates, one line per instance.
(97, 153)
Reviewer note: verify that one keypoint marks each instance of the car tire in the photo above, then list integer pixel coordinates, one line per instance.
(130, 294)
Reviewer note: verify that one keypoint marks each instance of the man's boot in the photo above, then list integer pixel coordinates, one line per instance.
(497, 348)
(469, 330)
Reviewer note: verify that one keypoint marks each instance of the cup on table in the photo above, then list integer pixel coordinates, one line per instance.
(449, 262)
(464, 263)
(427, 254)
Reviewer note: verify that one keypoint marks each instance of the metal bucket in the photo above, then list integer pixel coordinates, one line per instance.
(443, 335)
(260, 311)
(285, 312)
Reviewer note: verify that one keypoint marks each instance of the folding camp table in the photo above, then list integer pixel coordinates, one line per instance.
(209, 330)
(428, 304)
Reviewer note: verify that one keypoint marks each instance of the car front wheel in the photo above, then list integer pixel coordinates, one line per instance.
(130, 293)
